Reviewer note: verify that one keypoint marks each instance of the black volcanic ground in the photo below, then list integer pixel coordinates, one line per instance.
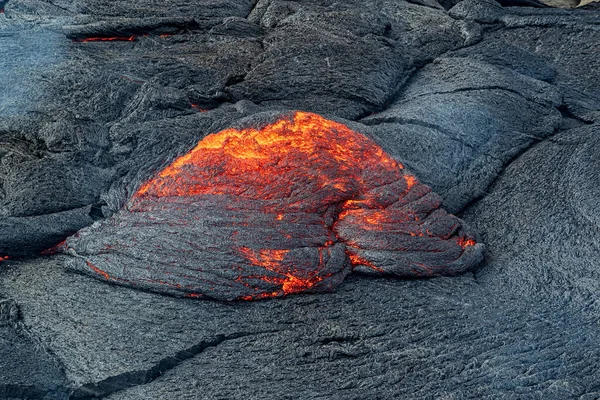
(496, 109)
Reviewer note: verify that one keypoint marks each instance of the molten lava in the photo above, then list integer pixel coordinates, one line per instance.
(107, 39)
(273, 162)
(197, 107)
(286, 208)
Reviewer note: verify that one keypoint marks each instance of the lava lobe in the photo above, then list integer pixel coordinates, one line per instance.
(291, 207)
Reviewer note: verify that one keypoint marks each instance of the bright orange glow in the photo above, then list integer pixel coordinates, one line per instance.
(55, 249)
(266, 258)
(311, 150)
(98, 270)
(355, 259)
(194, 295)
(273, 260)
(301, 163)
(108, 39)
(197, 107)
(411, 180)
(4, 258)
(465, 242)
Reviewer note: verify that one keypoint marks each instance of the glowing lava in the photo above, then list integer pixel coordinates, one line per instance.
(283, 161)
(107, 39)
(197, 107)
(285, 208)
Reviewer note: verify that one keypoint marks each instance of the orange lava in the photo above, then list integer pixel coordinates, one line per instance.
(273, 260)
(464, 242)
(197, 107)
(108, 39)
(4, 258)
(355, 259)
(263, 164)
(55, 249)
(98, 270)
(302, 163)
(249, 163)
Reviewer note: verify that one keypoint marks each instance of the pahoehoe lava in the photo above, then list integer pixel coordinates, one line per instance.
(289, 207)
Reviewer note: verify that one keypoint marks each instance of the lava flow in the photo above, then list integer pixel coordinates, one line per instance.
(286, 208)
(107, 39)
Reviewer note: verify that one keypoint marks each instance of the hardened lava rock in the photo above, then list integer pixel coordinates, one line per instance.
(291, 207)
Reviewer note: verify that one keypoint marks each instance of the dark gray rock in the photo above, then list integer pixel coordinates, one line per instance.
(550, 195)
(26, 368)
(24, 236)
(558, 35)
(474, 116)
(461, 98)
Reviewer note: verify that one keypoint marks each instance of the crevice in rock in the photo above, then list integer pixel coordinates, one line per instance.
(446, 133)
(127, 380)
(403, 82)
(25, 392)
(9, 313)
(515, 157)
(472, 89)
(419, 3)
(523, 3)
(3, 4)
(254, 4)
(96, 211)
(568, 114)
(60, 7)
(234, 80)
(131, 30)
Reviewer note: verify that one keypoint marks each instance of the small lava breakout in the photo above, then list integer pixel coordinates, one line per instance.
(290, 207)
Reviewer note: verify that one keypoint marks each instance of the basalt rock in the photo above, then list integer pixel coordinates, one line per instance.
(265, 211)
(494, 107)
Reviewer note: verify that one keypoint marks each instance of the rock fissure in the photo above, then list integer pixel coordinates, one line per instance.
(482, 88)
(564, 110)
(128, 380)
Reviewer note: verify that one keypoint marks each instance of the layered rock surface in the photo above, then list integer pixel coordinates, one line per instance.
(285, 208)
(495, 108)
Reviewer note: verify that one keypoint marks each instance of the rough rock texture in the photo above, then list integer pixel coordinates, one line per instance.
(283, 208)
(495, 108)
(28, 371)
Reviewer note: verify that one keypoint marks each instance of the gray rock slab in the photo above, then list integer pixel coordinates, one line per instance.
(28, 371)
(557, 35)
(459, 121)
(549, 195)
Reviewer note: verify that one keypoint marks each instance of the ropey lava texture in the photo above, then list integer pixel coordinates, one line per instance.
(288, 208)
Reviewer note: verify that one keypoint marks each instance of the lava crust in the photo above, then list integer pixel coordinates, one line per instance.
(291, 207)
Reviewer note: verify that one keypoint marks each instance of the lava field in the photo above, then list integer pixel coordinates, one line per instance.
(299, 199)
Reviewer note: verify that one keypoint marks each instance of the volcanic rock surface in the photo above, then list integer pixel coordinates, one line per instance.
(286, 208)
(495, 108)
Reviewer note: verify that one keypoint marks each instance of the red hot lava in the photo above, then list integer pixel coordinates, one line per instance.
(300, 200)
(107, 39)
